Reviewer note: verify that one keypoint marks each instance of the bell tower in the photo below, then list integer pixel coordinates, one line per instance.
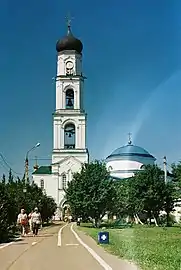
(69, 118)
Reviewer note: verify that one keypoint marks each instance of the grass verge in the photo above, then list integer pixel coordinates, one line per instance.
(149, 247)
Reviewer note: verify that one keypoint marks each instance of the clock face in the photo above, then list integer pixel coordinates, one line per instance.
(69, 65)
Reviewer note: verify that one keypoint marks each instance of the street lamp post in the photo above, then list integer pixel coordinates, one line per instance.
(165, 168)
(27, 163)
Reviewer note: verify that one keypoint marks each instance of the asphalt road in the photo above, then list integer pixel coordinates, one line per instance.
(59, 247)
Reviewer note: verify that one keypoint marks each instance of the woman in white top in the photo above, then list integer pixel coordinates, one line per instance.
(23, 222)
(36, 221)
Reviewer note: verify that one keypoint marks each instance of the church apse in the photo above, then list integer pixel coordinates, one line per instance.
(69, 95)
(69, 136)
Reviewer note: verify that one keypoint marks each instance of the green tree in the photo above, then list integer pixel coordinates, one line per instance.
(176, 171)
(169, 198)
(47, 208)
(7, 214)
(10, 179)
(13, 198)
(149, 193)
(91, 192)
(120, 206)
(4, 179)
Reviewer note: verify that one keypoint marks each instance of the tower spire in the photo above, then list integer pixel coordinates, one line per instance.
(69, 20)
(129, 138)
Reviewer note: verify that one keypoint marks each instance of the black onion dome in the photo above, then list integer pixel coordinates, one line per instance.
(69, 42)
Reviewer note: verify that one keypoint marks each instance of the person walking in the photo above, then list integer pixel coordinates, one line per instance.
(22, 220)
(70, 219)
(78, 221)
(36, 221)
(30, 221)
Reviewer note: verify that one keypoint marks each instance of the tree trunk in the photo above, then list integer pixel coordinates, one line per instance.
(127, 219)
(136, 220)
(149, 217)
(168, 223)
(97, 222)
(139, 220)
(156, 224)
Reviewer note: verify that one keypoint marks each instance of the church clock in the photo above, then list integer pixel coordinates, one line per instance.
(69, 65)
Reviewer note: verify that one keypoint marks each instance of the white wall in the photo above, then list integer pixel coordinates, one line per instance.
(122, 175)
(66, 56)
(50, 184)
(81, 155)
(123, 165)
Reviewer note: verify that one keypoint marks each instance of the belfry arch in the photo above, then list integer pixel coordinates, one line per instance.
(65, 209)
(69, 135)
(69, 99)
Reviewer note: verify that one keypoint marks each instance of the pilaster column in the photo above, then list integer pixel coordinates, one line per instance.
(62, 137)
(77, 136)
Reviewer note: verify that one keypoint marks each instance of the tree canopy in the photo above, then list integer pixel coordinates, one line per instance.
(148, 193)
(91, 192)
(13, 198)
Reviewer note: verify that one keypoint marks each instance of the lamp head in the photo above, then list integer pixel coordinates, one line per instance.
(37, 145)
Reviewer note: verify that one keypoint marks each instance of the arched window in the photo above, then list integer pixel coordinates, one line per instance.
(64, 181)
(69, 136)
(69, 99)
(42, 185)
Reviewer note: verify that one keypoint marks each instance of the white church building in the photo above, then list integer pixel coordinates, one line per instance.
(69, 123)
(69, 130)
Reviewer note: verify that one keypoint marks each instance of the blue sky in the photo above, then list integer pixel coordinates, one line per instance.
(132, 58)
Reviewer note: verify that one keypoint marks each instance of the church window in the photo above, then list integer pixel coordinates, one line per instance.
(42, 185)
(69, 136)
(64, 181)
(69, 99)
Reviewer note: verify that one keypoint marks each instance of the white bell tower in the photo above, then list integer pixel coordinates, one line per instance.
(69, 118)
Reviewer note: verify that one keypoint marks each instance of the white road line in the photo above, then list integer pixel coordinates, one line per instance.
(34, 243)
(72, 244)
(10, 243)
(59, 236)
(92, 252)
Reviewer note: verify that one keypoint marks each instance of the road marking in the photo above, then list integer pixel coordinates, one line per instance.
(6, 245)
(10, 243)
(34, 243)
(72, 244)
(59, 236)
(92, 252)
